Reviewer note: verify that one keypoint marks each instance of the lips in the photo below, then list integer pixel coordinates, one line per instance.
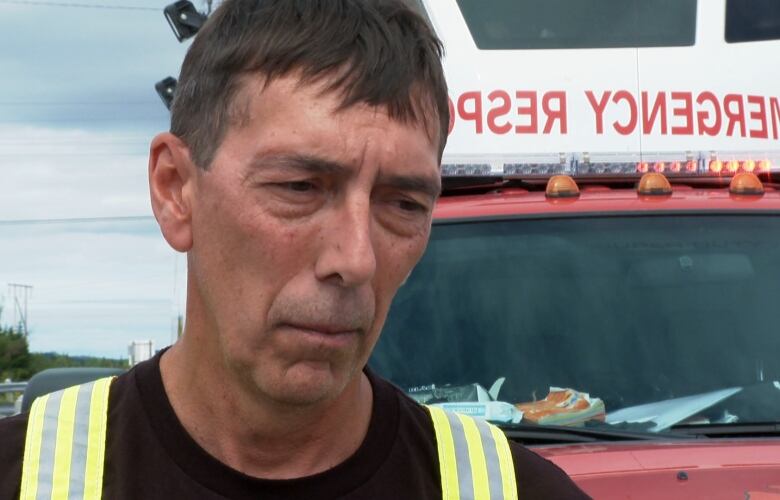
(322, 336)
(324, 329)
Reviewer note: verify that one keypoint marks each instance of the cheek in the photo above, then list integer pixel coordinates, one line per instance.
(243, 261)
(394, 263)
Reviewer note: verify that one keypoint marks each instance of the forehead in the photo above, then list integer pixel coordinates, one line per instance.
(285, 110)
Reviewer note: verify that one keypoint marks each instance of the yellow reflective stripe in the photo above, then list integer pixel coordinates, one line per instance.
(506, 463)
(476, 458)
(32, 449)
(96, 443)
(64, 444)
(447, 457)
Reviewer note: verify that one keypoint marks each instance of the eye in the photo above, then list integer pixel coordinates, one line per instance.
(411, 206)
(298, 186)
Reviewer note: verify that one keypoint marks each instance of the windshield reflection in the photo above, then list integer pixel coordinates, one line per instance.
(638, 323)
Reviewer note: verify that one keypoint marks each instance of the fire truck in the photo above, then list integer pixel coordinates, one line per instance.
(603, 269)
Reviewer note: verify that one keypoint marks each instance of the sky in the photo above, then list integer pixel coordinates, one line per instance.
(77, 112)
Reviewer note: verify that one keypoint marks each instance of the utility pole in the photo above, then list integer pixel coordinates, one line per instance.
(179, 327)
(21, 295)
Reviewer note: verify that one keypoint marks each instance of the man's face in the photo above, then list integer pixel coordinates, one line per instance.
(305, 225)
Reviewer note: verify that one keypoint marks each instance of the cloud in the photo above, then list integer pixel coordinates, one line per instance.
(49, 173)
(95, 67)
(77, 112)
(97, 285)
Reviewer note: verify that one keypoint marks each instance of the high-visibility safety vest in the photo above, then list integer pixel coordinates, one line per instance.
(64, 450)
(65, 445)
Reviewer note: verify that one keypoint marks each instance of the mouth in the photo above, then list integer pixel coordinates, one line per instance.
(323, 335)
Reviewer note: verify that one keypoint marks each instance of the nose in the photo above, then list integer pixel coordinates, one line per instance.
(347, 254)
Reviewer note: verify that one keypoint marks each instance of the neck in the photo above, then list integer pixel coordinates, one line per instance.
(258, 437)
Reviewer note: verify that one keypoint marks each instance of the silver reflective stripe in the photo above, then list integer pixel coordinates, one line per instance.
(491, 460)
(78, 464)
(48, 442)
(462, 459)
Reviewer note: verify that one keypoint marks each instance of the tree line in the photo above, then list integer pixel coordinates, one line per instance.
(18, 363)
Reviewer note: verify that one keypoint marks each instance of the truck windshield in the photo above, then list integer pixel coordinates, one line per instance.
(633, 322)
(580, 24)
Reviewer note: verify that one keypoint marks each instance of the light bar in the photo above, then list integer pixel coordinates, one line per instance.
(629, 165)
(735, 166)
(466, 169)
(716, 166)
(633, 165)
(544, 169)
(611, 168)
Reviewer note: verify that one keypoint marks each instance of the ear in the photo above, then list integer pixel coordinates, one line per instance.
(171, 185)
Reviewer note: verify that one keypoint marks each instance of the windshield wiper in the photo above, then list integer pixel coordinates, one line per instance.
(532, 434)
(752, 429)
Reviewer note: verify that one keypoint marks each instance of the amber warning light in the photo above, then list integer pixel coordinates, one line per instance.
(562, 186)
(655, 184)
(746, 183)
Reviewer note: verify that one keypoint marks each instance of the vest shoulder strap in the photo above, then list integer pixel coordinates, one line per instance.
(475, 460)
(64, 448)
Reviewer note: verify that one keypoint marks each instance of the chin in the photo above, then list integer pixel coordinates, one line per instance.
(306, 383)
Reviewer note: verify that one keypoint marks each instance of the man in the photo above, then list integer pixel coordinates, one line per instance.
(299, 176)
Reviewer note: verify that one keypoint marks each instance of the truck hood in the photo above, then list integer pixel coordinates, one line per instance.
(722, 469)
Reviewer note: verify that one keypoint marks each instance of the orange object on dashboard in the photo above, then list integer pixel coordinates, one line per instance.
(563, 407)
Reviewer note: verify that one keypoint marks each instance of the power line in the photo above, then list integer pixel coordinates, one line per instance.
(77, 220)
(79, 5)
(66, 119)
(50, 142)
(73, 103)
(74, 155)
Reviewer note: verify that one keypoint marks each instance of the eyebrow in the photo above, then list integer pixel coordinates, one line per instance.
(427, 185)
(307, 163)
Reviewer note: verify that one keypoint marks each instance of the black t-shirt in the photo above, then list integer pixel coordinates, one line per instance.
(150, 456)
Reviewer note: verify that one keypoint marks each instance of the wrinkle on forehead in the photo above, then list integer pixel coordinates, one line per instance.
(255, 85)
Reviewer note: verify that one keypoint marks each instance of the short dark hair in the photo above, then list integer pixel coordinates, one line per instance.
(377, 52)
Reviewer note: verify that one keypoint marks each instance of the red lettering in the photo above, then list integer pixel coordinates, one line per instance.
(624, 95)
(649, 117)
(702, 115)
(598, 108)
(498, 111)
(558, 114)
(452, 115)
(759, 115)
(476, 114)
(734, 117)
(530, 111)
(774, 105)
(685, 112)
